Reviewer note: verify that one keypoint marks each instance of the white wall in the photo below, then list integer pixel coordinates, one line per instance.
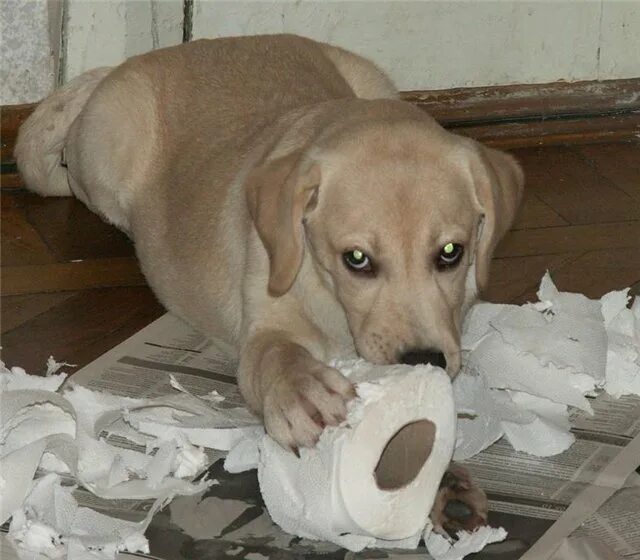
(106, 32)
(434, 45)
(422, 44)
(620, 40)
(29, 49)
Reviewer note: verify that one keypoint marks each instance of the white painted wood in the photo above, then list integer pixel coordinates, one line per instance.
(443, 44)
(104, 33)
(28, 54)
(620, 40)
(423, 44)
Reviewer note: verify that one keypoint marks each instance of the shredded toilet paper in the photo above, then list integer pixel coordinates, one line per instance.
(66, 431)
(443, 548)
(51, 523)
(524, 367)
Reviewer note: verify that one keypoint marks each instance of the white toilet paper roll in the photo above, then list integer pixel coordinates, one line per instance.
(375, 477)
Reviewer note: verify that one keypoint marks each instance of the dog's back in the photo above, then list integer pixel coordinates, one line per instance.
(156, 146)
(218, 92)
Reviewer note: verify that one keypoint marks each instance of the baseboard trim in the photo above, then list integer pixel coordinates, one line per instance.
(505, 117)
(592, 130)
(528, 102)
(11, 118)
(527, 115)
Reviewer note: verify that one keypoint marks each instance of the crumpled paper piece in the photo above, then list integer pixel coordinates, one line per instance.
(523, 366)
(623, 352)
(52, 523)
(195, 418)
(66, 430)
(443, 548)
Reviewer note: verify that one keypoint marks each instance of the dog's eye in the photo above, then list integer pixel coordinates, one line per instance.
(450, 255)
(358, 261)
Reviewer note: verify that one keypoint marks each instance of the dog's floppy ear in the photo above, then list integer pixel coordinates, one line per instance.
(278, 193)
(499, 185)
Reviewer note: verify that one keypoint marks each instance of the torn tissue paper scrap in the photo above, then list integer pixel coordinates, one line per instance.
(68, 431)
(523, 366)
(443, 548)
(52, 523)
(623, 351)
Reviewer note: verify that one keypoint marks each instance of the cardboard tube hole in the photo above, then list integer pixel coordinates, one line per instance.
(404, 455)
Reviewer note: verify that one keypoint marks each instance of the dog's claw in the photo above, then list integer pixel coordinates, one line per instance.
(295, 451)
(352, 394)
(317, 418)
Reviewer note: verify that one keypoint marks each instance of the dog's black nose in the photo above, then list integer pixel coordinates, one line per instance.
(424, 356)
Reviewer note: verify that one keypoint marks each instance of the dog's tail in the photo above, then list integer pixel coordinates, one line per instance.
(41, 139)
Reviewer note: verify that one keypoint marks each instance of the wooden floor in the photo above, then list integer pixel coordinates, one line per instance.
(71, 287)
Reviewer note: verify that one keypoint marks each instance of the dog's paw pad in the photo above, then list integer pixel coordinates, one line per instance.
(460, 504)
(458, 510)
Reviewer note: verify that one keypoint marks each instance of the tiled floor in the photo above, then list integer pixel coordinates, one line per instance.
(71, 286)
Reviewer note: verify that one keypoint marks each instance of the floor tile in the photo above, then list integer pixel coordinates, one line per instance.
(17, 310)
(534, 213)
(82, 275)
(21, 243)
(598, 272)
(570, 239)
(619, 163)
(569, 185)
(512, 277)
(80, 328)
(73, 231)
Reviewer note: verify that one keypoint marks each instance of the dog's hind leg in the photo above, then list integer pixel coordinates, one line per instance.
(365, 79)
(42, 137)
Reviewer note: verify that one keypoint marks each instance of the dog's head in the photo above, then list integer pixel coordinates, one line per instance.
(401, 219)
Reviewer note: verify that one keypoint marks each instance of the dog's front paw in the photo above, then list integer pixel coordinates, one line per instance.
(299, 404)
(460, 504)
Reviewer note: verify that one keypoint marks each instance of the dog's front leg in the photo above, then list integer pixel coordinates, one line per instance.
(296, 394)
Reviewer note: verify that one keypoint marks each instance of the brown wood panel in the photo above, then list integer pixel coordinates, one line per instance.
(570, 239)
(528, 100)
(17, 310)
(81, 328)
(21, 242)
(11, 117)
(58, 220)
(534, 213)
(618, 163)
(569, 184)
(9, 201)
(597, 272)
(11, 181)
(512, 277)
(615, 128)
(71, 276)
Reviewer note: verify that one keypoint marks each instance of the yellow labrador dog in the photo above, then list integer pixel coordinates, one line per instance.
(283, 199)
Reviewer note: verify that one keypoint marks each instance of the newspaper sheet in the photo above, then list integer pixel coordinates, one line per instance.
(527, 494)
